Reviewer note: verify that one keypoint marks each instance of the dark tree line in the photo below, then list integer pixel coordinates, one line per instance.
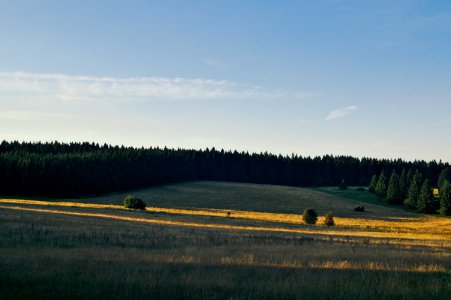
(414, 190)
(76, 169)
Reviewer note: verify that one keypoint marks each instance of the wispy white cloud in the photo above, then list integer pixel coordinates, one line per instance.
(75, 89)
(340, 113)
(215, 64)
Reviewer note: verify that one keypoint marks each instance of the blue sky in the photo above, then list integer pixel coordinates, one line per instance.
(362, 78)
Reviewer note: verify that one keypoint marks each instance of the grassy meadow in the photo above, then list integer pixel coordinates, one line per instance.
(218, 240)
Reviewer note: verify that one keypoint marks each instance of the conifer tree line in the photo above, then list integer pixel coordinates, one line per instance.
(414, 190)
(76, 169)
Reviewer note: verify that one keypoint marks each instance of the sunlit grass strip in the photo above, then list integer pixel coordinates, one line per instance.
(236, 214)
(423, 224)
(329, 264)
(251, 215)
(66, 204)
(387, 235)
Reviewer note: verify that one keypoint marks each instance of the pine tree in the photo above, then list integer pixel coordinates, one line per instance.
(444, 175)
(403, 185)
(409, 176)
(445, 199)
(414, 190)
(381, 186)
(372, 186)
(393, 191)
(425, 204)
(329, 219)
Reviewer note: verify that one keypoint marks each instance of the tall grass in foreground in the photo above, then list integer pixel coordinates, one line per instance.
(58, 256)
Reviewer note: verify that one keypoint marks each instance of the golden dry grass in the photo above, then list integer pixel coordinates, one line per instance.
(44, 255)
(425, 228)
(109, 252)
(102, 250)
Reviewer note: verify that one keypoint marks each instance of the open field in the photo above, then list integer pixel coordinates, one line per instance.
(185, 246)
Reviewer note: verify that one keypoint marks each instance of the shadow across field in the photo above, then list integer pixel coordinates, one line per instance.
(75, 276)
(85, 250)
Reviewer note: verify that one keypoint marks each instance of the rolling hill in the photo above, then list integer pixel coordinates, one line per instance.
(221, 240)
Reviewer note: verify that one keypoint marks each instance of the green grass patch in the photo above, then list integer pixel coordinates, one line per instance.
(351, 193)
(253, 197)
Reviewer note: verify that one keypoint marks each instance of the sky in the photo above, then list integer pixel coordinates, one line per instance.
(360, 78)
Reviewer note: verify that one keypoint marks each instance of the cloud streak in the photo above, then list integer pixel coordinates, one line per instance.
(74, 89)
(340, 113)
(215, 64)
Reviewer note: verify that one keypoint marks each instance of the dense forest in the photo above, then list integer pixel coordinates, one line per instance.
(76, 169)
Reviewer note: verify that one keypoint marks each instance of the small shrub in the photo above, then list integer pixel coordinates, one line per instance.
(343, 185)
(360, 208)
(134, 203)
(329, 219)
(310, 216)
(360, 189)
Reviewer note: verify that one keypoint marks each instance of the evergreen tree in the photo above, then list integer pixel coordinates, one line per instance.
(414, 190)
(381, 186)
(425, 202)
(444, 175)
(393, 190)
(77, 169)
(373, 183)
(309, 216)
(410, 175)
(445, 199)
(403, 185)
(329, 219)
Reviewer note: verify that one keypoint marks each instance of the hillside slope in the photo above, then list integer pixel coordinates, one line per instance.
(253, 197)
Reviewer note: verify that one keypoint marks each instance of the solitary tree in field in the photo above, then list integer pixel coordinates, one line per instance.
(310, 216)
(414, 190)
(373, 183)
(134, 203)
(445, 198)
(329, 219)
(393, 191)
(425, 200)
(381, 186)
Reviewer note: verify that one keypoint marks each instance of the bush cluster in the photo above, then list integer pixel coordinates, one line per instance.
(134, 203)
(311, 217)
